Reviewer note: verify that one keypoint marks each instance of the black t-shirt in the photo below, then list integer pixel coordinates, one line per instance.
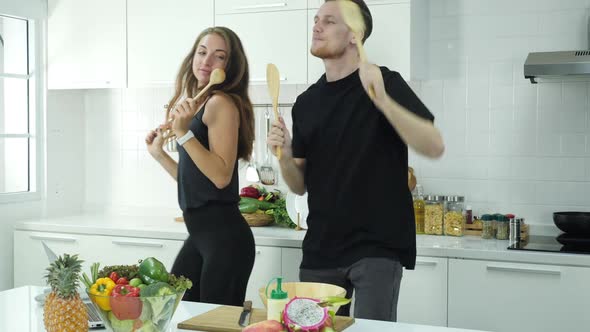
(194, 188)
(356, 173)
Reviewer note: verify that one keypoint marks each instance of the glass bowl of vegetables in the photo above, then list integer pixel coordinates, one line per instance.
(135, 298)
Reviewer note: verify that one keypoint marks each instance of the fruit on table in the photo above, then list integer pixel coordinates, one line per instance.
(63, 309)
(302, 313)
(135, 282)
(125, 302)
(249, 192)
(152, 270)
(103, 288)
(265, 326)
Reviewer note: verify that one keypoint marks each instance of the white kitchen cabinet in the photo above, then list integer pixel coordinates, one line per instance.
(291, 259)
(499, 296)
(267, 265)
(129, 250)
(272, 37)
(246, 6)
(423, 293)
(314, 4)
(86, 44)
(30, 259)
(160, 35)
(388, 45)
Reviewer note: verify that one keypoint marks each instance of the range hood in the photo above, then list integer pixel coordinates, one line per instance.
(558, 64)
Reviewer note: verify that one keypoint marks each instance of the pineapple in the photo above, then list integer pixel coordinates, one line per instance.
(64, 311)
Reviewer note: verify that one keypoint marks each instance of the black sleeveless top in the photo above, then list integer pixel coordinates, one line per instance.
(194, 188)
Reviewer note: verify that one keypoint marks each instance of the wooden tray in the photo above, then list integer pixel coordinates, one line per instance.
(258, 219)
(225, 319)
(476, 229)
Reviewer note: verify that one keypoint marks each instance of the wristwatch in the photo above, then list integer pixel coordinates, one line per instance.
(181, 140)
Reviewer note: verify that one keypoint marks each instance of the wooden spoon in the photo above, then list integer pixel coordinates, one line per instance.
(273, 82)
(217, 77)
(351, 14)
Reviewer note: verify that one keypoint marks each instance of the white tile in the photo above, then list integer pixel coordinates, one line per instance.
(548, 120)
(478, 120)
(478, 96)
(502, 73)
(455, 96)
(572, 121)
(498, 167)
(563, 23)
(499, 192)
(548, 144)
(455, 142)
(573, 144)
(522, 193)
(525, 95)
(587, 168)
(129, 142)
(501, 96)
(478, 73)
(550, 95)
(501, 144)
(129, 121)
(548, 169)
(431, 95)
(575, 95)
(523, 168)
(525, 121)
(547, 193)
(478, 143)
(572, 169)
(524, 144)
(501, 120)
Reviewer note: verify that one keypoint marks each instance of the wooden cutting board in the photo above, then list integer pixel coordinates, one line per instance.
(225, 319)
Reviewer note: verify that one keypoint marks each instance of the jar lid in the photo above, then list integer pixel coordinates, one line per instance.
(510, 215)
(486, 217)
(455, 198)
(435, 198)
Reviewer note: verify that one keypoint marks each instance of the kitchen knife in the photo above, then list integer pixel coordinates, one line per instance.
(245, 315)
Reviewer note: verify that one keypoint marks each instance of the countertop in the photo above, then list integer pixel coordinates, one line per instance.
(466, 247)
(19, 312)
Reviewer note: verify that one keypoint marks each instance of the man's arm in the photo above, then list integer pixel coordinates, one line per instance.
(418, 133)
(292, 170)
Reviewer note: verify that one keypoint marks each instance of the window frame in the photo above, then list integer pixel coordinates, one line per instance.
(37, 82)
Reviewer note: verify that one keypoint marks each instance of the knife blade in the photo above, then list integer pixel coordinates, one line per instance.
(245, 315)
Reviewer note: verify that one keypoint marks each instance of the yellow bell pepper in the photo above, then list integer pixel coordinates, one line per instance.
(102, 288)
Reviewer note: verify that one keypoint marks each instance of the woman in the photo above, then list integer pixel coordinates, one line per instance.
(212, 133)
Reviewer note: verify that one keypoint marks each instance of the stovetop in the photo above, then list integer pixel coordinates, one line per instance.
(552, 244)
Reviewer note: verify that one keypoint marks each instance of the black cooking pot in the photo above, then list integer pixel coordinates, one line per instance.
(573, 223)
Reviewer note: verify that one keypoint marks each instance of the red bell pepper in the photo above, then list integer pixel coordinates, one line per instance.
(122, 281)
(114, 276)
(249, 192)
(125, 302)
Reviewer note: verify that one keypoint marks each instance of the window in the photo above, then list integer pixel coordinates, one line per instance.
(18, 109)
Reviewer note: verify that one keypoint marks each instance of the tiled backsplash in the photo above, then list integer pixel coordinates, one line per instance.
(511, 146)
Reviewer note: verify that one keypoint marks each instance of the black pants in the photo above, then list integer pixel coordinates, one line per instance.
(375, 282)
(218, 255)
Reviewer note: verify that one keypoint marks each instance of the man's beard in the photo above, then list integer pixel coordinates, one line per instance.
(325, 53)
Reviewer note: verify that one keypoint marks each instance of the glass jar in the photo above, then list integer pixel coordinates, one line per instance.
(502, 228)
(487, 227)
(433, 214)
(454, 217)
(418, 197)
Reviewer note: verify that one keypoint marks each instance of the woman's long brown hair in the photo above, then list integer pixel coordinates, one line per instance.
(235, 85)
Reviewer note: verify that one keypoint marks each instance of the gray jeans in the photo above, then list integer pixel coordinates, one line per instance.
(374, 280)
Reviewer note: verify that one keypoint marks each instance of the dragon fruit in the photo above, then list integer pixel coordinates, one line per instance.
(304, 314)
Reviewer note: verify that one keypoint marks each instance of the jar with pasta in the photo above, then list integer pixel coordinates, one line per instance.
(433, 214)
(488, 231)
(454, 217)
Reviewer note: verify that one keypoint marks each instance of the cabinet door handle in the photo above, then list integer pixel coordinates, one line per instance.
(51, 238)
(425, 263)
(138, 244)
(523, 269)
(261, 6)
(282, 79)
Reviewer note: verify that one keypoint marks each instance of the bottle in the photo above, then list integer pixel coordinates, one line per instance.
(419, 209)
(468, 215)
(277, 301)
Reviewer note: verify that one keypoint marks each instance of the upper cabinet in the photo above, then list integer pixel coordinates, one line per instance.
(272, 37)
(245, 6)
(160, 35)
(389, 43)
(86, 44)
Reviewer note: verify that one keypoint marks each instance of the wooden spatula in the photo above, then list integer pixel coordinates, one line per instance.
(273, 82)
(217, 77)
(351, 14)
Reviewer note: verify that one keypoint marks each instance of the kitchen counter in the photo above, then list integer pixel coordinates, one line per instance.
(467, 247)
(20, 312)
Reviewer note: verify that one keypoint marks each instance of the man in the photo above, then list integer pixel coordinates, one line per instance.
(349, 152)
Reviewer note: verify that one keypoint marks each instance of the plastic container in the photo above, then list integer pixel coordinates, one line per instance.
(433, 214)
(276, 301)
(419, 209)
(454, 218)
(502, 229)
(487, 227)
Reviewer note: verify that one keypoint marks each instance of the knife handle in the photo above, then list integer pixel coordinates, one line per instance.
(247, 305)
